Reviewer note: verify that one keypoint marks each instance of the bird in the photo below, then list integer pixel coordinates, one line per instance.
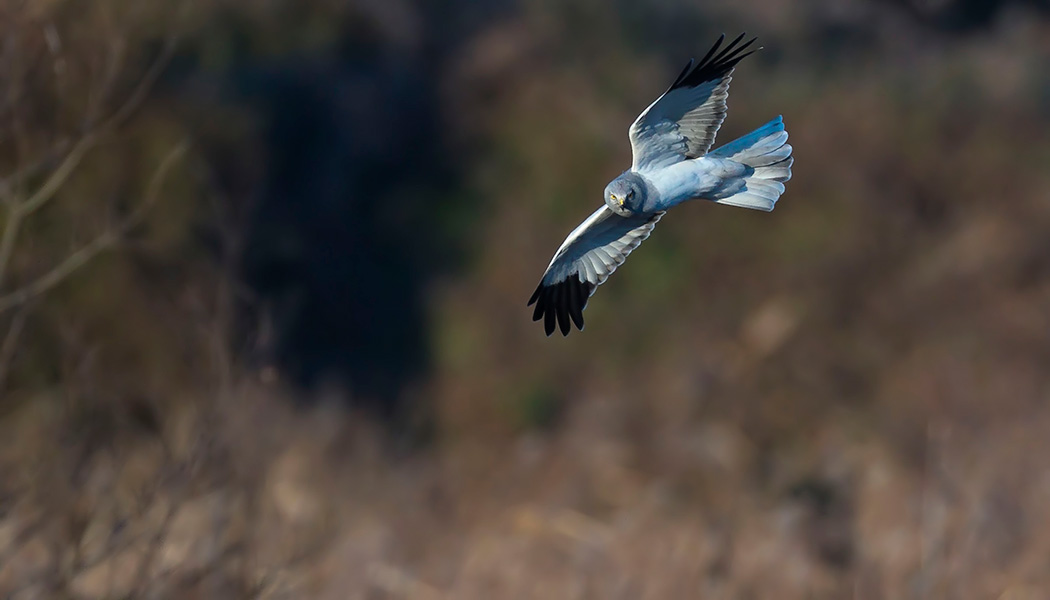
(672, 162)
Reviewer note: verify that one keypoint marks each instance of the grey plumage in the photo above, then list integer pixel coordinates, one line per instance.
(671, 142)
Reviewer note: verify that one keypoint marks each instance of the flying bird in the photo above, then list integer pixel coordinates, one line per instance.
(671, 143)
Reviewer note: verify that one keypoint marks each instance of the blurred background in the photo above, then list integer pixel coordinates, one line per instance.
(263, 272)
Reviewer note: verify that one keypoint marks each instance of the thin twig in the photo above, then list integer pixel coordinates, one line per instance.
(13, 183)
(153, 189)
(59, 177)
(98, 97)
(10, 343)
(105, 240)
(144, 86)
(57, 275)
(7, 240)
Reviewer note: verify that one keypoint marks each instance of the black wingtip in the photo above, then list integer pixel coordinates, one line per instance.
(714, 48)
(716, 63)
(535, 295)
(560, 305)
(681, 76)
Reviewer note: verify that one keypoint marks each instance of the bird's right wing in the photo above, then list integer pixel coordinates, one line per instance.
(583, 262)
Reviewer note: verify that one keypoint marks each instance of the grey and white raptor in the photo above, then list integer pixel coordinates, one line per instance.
(671, 141)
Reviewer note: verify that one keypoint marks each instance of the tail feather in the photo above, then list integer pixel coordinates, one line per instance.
(768, 154)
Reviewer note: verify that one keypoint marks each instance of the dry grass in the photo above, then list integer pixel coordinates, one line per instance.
(249, 500)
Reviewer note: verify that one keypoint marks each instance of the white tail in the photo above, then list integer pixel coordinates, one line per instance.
(768, 155)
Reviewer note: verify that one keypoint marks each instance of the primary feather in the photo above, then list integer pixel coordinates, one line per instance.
(683, 121)
(583, 262)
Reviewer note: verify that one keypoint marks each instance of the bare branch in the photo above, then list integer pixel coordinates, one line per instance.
(58, 274)
(97, 97)
(10, 185)
(10, 344)
(153, 189)
(59, 177)
(144, 86)
(7, 240)
(104, 241)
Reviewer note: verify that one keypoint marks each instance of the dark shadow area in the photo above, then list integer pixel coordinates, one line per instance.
(965, 16)
(345, 215)
(339, 244)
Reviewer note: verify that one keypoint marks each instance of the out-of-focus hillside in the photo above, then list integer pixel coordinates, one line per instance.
(263, 271)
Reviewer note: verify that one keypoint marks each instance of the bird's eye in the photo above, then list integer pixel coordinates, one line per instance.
(630, 193)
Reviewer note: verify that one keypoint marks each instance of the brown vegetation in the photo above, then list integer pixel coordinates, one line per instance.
(845, 398)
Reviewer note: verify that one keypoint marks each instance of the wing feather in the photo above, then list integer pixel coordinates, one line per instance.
(583, 262)
(682, 123)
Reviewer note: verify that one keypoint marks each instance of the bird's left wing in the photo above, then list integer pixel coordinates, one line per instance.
(583, 262)
(682, 123)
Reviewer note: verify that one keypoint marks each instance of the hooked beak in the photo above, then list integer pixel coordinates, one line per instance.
(620, 202)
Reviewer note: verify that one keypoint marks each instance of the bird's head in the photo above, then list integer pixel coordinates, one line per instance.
(625, 194)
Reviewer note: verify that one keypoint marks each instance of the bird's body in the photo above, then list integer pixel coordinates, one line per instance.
(671, 141)
(702, 177)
